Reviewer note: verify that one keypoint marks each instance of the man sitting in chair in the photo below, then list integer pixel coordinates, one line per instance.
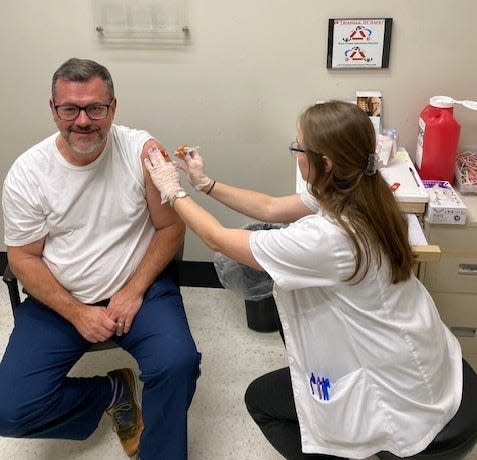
(89, 240)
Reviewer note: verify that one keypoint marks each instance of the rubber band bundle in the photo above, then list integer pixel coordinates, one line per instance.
(466, 172)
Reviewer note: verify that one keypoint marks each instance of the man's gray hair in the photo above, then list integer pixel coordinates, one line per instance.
(82, 70)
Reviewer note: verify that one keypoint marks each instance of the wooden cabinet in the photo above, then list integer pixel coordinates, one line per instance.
(452, 281)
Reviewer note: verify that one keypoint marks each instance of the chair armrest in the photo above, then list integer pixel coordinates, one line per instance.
(184, 273)
(8, 276)
(11, 281)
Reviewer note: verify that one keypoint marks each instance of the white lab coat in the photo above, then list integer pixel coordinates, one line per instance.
(395, 369)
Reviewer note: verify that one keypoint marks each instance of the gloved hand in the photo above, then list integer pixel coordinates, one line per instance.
(163, 173)
(193, 166)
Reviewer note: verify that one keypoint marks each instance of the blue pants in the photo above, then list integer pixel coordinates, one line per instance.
(38, 400)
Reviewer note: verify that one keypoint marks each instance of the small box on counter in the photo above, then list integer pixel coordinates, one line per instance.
(445, 206)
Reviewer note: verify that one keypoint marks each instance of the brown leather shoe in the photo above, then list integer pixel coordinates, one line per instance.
(126, 412)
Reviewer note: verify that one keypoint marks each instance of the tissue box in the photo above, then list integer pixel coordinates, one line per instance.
(385, 148)
(445, 206)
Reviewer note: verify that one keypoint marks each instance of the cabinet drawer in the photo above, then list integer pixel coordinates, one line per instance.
(459, 313)
(453, 274)
(453, 238)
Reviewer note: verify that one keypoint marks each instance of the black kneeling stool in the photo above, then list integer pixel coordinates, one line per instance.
(459, 436)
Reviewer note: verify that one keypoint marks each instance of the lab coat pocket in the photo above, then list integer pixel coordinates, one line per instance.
(350, 414)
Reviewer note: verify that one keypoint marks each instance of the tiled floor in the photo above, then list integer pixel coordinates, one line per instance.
(219, 425)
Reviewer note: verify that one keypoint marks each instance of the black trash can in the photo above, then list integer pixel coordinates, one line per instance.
(262, 315)
(254, 286)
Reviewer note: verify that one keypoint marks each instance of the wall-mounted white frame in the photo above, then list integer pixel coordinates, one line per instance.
(142, 20)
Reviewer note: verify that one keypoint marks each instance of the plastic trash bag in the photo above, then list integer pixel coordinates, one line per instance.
(246, 282)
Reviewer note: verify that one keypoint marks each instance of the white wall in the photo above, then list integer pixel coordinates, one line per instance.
(238, 88)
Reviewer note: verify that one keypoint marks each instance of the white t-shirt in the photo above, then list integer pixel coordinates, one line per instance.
(395, 369)
(95, 218)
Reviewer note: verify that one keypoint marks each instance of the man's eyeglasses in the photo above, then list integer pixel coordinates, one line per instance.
(70, 112)
(295, 149)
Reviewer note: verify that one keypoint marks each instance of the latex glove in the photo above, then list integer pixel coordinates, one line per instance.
(193, 166)
(163, 173)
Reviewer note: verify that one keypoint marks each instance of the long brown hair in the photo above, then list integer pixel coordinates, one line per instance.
(361, 204)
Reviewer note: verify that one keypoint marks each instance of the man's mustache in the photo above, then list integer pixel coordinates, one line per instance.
(87, 130)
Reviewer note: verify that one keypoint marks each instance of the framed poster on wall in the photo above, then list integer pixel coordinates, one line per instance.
(359, 43)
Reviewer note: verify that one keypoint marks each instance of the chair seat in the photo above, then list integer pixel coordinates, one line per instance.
(184, 273)
(15, 299)
(459, 436)
(109, 344)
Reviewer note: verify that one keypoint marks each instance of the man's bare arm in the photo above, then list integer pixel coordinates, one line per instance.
(165, 243)
(168, 238)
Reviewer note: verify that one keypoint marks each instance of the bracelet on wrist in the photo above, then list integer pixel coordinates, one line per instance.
(211, 187)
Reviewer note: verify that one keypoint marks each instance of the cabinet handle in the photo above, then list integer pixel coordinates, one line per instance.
(467, 269)
(463, 331)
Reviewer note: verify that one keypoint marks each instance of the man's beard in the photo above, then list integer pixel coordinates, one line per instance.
(85, 148)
